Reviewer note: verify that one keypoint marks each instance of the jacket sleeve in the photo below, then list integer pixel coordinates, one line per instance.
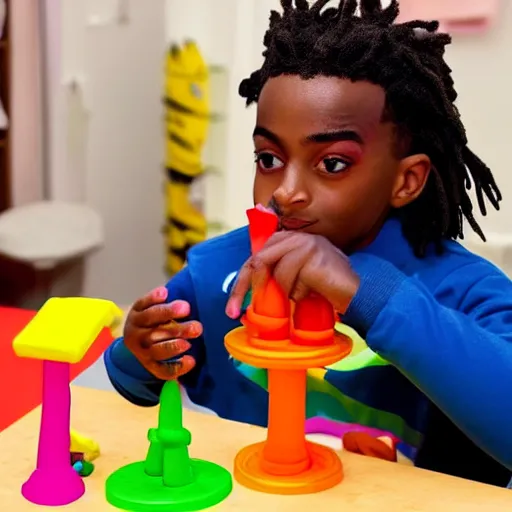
(130, 378)
(461, 359)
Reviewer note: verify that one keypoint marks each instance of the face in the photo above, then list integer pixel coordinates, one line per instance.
(328, 162)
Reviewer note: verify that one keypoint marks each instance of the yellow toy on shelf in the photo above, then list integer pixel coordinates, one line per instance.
(60, 334)
(187, 116)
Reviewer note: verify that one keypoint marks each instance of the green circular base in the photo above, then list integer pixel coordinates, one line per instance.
(130, 488)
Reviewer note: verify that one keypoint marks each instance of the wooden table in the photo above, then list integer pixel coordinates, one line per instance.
(121, 430)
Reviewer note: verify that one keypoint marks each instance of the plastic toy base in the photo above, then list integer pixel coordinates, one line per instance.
(53, 488)
(284, 355)
(325, 471)
(130, 488)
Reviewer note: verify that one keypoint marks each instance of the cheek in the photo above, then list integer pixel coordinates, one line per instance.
(357, 200)
(369, 200)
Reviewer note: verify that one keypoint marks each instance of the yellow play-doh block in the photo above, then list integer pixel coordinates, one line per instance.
(82, 444)
(65, 328)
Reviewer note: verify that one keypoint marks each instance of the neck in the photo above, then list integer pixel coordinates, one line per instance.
(368, 238)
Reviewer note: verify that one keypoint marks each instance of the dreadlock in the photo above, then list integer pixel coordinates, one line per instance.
(407, 61)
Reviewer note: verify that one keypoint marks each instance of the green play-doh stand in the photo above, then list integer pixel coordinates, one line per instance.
(168, 480)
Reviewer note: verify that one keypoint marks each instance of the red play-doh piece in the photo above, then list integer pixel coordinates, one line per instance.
(262, 225)
(314, 313)
(269, 301)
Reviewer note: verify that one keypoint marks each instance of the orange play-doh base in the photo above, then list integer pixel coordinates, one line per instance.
(286, 463)
(325, 471)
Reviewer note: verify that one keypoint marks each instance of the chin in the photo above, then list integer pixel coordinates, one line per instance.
(342, 245)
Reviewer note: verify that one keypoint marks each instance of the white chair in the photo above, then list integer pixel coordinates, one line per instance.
(49, 234)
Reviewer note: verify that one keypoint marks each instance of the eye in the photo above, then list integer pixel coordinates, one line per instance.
(334, 165)
(268, 162)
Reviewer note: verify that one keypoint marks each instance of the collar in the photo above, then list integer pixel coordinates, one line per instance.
(391, 245)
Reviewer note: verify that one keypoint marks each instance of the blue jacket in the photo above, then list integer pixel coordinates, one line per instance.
(437, 342)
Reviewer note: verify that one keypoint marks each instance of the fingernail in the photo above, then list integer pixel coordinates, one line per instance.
(180, 308)
(233, 311)
(196, 330)
(161, 292)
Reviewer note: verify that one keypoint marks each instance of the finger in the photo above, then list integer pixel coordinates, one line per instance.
(287, 270)
(239, 291)
(260, 275)
(156, 296)
(161, 314)
(188, 330)
(255, 271)
(299, 292)
(272, 253)
(281, 236)
(156, 336)
(172, 370)
(169, 349)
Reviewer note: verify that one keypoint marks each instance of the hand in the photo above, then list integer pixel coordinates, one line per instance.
(154, 336)
(301, 264)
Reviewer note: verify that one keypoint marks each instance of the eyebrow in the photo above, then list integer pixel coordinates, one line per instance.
(317, 138)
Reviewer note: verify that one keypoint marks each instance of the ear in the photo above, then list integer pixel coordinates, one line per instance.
(411, 178)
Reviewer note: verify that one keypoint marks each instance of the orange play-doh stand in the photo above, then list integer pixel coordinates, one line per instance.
(286, 339)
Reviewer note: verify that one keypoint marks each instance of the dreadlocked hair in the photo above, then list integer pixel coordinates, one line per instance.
(407, 61)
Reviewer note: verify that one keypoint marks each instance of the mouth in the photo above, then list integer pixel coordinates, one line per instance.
(292, 224)
(286, 223)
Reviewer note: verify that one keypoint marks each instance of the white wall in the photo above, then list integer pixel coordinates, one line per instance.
(25, 104)
(483, 77)
(478, 61)
(118, 68)
(116, 165)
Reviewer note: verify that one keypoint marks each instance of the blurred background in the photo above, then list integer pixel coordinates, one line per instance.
(123, 140)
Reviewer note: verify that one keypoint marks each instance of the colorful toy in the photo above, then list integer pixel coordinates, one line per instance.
(81, 444)
(328, 427)
(83, 452)
(168, 480)
(286, 339)
(60, 334)
(187, 116)
(364, 444)
(356, 438)
(83, 468)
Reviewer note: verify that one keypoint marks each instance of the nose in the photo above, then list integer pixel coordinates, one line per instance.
(292, 191)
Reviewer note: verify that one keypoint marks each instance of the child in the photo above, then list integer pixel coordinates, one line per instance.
(363, 156)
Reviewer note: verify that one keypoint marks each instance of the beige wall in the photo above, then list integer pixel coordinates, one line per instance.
(482, 70)
(105, 83)
(25, 122)
(118, 68)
